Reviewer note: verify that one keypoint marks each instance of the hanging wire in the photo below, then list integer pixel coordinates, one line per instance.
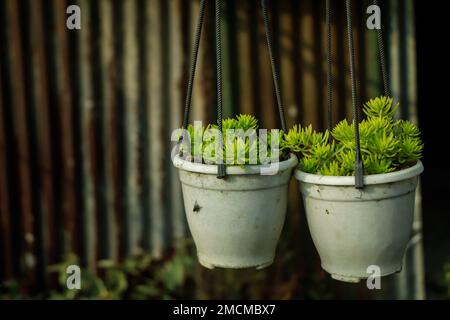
(188, 103)
(359, 168)
(329, 66)
(387, 91)
(269, 38)
(221, 168)
(195, 49)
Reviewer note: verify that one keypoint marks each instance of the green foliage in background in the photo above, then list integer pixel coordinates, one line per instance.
(178, 275)
(386, 144)
(447, 278)
(240, 141)
(136, 278)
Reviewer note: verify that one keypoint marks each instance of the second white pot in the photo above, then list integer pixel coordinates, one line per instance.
(235, 223)
(354, 229)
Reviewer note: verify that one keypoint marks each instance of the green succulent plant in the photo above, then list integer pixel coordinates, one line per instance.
(386, 144)
(242, 145)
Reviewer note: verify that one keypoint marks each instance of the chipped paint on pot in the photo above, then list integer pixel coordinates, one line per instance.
(353, 229)
(235, 222)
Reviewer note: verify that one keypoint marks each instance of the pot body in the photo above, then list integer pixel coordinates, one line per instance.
(354, 229)
(235, 222)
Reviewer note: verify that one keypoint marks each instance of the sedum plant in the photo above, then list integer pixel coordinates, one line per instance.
(386, 144)
(242, 143)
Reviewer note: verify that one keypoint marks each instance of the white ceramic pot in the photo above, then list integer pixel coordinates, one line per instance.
(353, 229)
(235, 222)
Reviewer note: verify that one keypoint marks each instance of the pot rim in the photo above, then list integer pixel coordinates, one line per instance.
(185, 165)
(373, 179)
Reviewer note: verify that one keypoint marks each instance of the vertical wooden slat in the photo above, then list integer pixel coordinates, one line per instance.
(360, 48)
(65, 106)
(131, 96)
(296, 55)
(96, 134)
(245, 62)
(233, 55)
(336, 41)
(117, 130)
(51, 72)
(88, 237)
(9, 154)
(338, 74)
(372, 66)
(166, 116)
(393, 44)
(321, 25)
(98, 129)
(411, 61)
(144, 152)
(21, 136)
(412, 286)
(228, 74)
(108, 80)
(268, 105)
(346, 70)
(344, 81)
(336, 38)
(44, 141)
(227, 94)
(156, 121)
(34, 154)
(309, 80)
(5, 210)
(402, 60)
(287, 61)
(319, 53)
(342, 61)
(204, 92)
(176, 107)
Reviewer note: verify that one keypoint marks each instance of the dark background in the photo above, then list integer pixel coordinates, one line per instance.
(432, 27)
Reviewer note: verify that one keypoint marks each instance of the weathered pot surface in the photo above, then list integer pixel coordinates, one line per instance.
(235, 222)
(357, 230)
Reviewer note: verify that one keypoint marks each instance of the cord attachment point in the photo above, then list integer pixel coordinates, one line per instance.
(221, 174)
(359, 174)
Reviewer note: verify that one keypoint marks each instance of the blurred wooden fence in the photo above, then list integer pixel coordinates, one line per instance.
(86, 115)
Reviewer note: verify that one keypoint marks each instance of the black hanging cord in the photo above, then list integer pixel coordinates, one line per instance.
(329, 66)
(274, 66)
(198, 33)
(188, 103)
(221, 169)
(359, 168)
(387, 91)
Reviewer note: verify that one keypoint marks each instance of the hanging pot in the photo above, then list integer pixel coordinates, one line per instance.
(236, 222)
(353, 229)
